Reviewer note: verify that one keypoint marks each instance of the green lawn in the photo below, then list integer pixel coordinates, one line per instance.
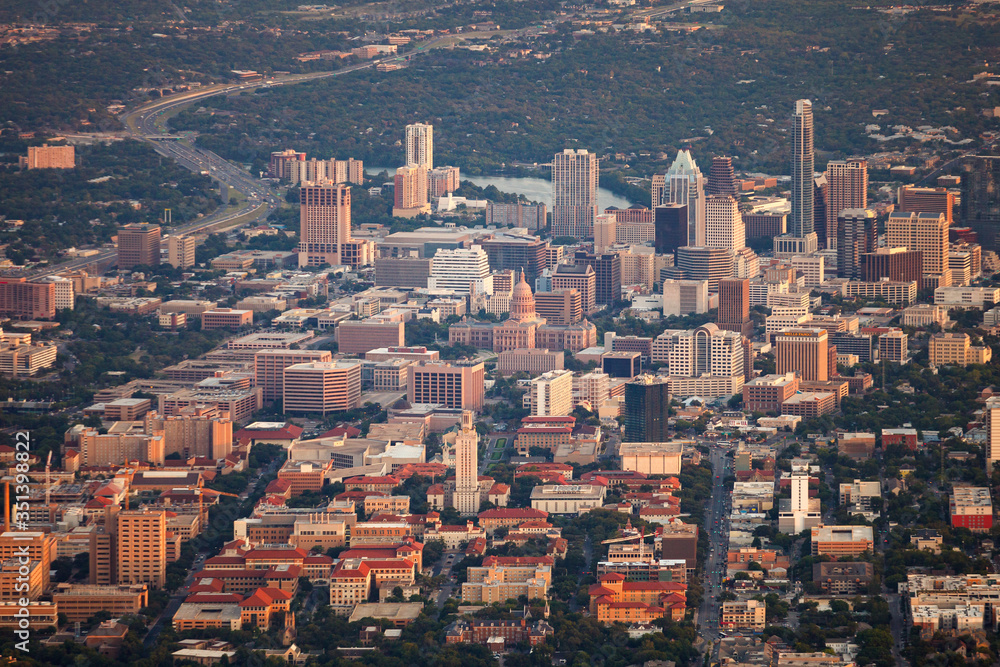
(501, 443)
(496, 456)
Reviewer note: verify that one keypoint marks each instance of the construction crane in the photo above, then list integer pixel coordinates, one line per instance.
(48, 483)
(201, 497)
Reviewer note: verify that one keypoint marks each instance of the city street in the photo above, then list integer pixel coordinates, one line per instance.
(717, 528)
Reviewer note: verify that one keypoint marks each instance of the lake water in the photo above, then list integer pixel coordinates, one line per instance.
(535, 189)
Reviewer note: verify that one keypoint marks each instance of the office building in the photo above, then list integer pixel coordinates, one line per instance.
(803, 170)
(580, 277)
(402, 271)
(838, 541)
(705, 351)
(844, 578)
(724, 223)
(141, 554)
(705, 263)
(49, 157)
(805, 352)
(607, 273)
(574, 193)
(956, 349)
(22, 300)
(684, 297)
(325, 227)
(361, 336)
(605, 231)
(652, 458)
(856, 236)
(530, 216)
(721, 179)
(913, 199)
(981, 197)
(457, 385)
(846, 189)
(622, 364)
(516, 252)
(893, 346)
(685, 185)
(765, 225)
(971, 507)
(768, 392)
(226, 318)
(734, 305)
(743, 615)
(647, 409)
(322, 386)
(560, 308)
(551, 394)
(670, 225)
(410, 192)
(420, 146)
(270, 365)
(571, 499)
(466, 496)
(138, 245)
(461, 270)
(180, 251)
(894, 264)
(926, 233)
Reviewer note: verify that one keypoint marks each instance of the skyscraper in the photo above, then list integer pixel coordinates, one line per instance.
(466, 496)
(803, 169)
(325, 225)
(704, 263)
(647, 409)
(992, 411)
(981, 198)
(926, 232)
(847, 188)
(724, 223)
(721, 178)
(605, 226)
(420, 146)
(669, 228)
(910, 198)
(685, 185)
(856, 235)
(734, 305)
(410, 192)
(574, 193)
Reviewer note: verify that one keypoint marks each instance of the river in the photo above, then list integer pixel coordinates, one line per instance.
(535, 189)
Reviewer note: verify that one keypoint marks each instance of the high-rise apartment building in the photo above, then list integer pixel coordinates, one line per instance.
(856, 235)
(282, 163)
(410, 192)
(551, 394)
(685, 185)
(704, 263)
(442, 180)
(670, 225)
(805, 352)
(734, 305)
(608, 273)
(723, 223)
(466, 496)
(325, 227)
(721, 178)
(913, 199)
(574, 193)
(981, 198)
(992, 415)
(530, 216)
(420, 146)
(180, 251)
(49, 157)
(803, 169)
(138, 245)
(461, 270)
(647, 409)
(22, 300)
(846, 188)
(819, 208)
(142, 547)
(458, 385)
(925, 232)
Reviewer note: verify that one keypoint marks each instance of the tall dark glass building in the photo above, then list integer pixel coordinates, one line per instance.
(647, 409)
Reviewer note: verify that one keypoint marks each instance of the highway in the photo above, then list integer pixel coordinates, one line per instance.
(145, 124)
(717, 528)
